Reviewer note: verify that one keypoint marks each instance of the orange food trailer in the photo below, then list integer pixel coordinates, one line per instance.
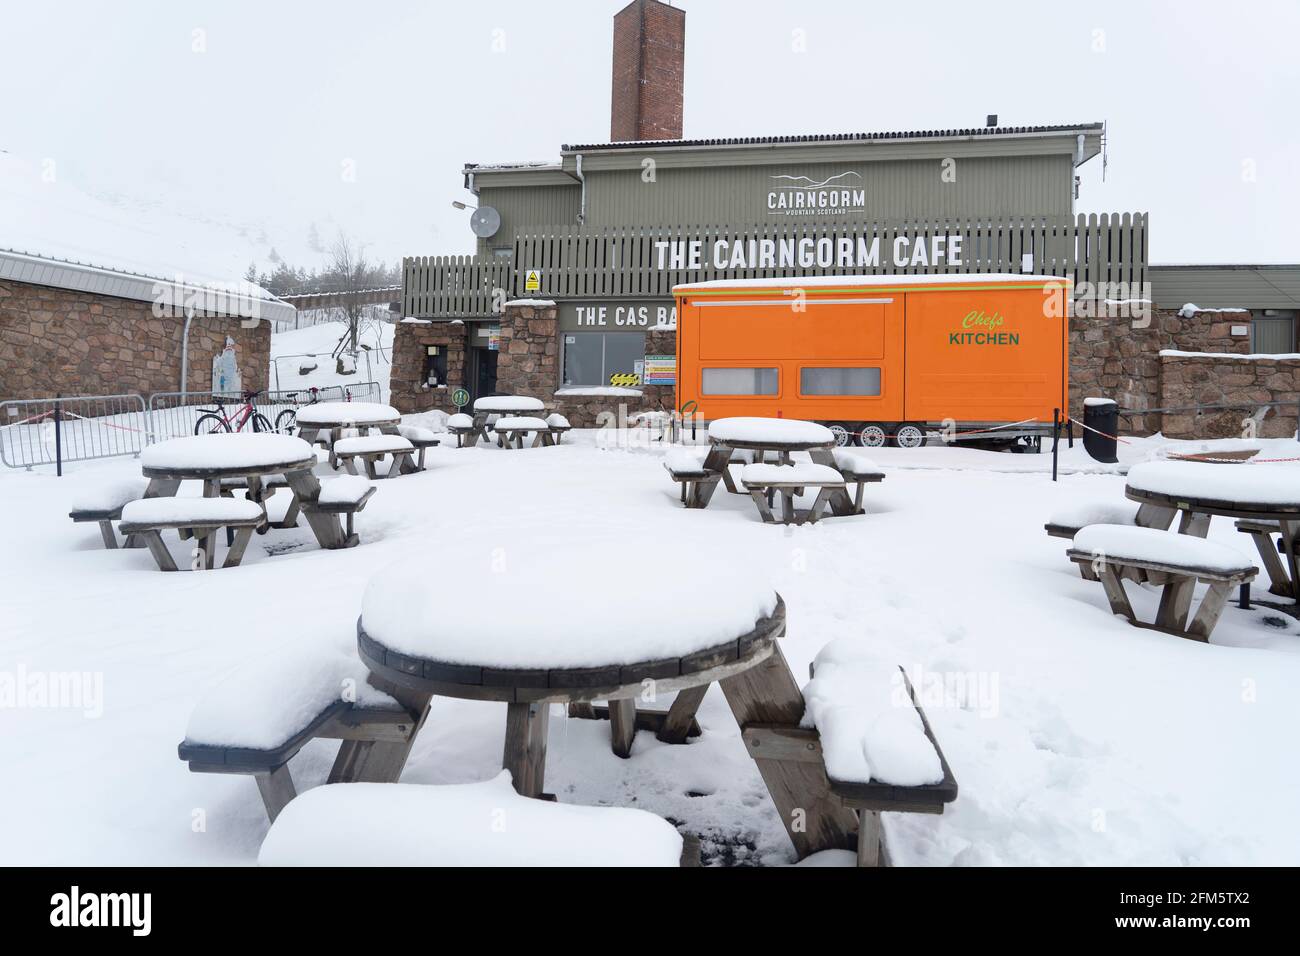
(879, 358)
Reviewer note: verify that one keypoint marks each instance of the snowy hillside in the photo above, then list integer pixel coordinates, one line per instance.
(299, 349)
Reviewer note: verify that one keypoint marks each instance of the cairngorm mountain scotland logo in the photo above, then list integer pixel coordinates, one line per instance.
(805, 196)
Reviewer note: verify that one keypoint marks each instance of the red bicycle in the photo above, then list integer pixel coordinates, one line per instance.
(215, 420)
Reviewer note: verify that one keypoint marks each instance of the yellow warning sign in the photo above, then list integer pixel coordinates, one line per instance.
(625, 379)
(532, 281)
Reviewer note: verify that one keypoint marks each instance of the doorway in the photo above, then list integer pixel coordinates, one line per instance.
(482, 372)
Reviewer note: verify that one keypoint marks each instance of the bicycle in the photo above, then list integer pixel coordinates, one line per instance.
(215, 420)
(287, 420)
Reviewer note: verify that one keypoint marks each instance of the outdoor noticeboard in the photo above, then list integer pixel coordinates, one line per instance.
(660, 370)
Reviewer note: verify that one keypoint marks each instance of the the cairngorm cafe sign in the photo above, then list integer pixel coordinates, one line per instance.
(860, 251)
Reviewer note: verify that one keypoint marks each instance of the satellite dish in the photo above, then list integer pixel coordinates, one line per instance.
(485, 222)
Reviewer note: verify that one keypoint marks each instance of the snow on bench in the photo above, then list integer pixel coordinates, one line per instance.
(1178, 561)
(102, 503)
(557, 421)
(256, 719)
(418, 435)
(1066, 522)
(799, 474)
(346, 492)
(779, 430)
(686, 466)
(460, 420)
(870, 729)
(468, 824)
(875, 745)
(371, 445)
(512, 423)
(855, 463)
(1156, 547)
(189, 513)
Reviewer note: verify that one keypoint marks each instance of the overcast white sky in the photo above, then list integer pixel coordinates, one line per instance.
(256, 129)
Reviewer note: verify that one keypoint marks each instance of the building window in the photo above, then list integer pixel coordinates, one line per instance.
(503, 252)
(592, 358)
(1272, 331)
(739, 381)
(839, 381)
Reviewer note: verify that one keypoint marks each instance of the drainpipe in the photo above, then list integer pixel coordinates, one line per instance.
(185, 347)
(582, 204)
(1079, 155)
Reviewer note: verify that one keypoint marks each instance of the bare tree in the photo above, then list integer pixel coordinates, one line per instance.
(350, 271)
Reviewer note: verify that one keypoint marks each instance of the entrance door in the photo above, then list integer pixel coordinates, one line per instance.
(482, 372)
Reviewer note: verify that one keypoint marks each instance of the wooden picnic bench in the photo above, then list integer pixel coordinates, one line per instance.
(104, 506)
(376, 737)
(511, 429)
(686, 467)
(1271, 543)
(466, 431)
(1111, 550)
(197, 517)
(784, 743)
(788, 481)
(421, 438)
(368, 449)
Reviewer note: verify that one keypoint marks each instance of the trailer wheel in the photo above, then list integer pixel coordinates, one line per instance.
(909, 436)
(841, 433)
(871, 435)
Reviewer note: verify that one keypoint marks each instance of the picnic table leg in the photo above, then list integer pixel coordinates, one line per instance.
(787, 506)
(719, 460)
(276, 788)
(326, 527)
(824, 497)
(206, 544)
(235, 553)
(767, 693)
(158, 548)
(1290, 538)
(106, 533)
(525, 748)
(764, 511)
(870, 842)
(1279, 578)
(375, 761)
(1207, 615)
(622, 726)
(1155, 516)
(681, 714)
(162, 488)
(1175, 602)
(1194, 523)
(1115, 595)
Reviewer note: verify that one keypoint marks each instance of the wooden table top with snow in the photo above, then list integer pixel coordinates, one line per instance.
(226, 456)
(507, 404)
(345, 414)
(1236, 490)
(770, 433)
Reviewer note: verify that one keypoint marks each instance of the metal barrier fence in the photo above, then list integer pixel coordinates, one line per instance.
(175, 414)
(50, 431)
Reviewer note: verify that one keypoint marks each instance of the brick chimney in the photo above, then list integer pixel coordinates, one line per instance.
(649, 53)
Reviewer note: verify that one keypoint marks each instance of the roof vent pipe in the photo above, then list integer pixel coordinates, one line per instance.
(582, 203)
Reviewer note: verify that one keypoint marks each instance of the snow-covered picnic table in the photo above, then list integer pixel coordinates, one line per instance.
(490, 408)
(757, 439)
(1265, 496)
(330, 422)
(248, 457)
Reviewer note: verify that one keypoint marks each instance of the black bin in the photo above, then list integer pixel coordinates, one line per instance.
(1100, 415)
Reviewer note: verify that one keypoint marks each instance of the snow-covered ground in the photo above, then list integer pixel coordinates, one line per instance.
(1082, 740)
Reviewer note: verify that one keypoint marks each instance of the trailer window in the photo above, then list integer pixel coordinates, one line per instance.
(839, 381)
(739, 381)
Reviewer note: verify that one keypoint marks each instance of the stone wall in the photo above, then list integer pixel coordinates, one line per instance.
(1220, 380)
(1114, 356)
(528, 357)
(409, 392)
(57, 341)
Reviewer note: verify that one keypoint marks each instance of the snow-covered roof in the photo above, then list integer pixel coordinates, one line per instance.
(54, 234)
(891, 281)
